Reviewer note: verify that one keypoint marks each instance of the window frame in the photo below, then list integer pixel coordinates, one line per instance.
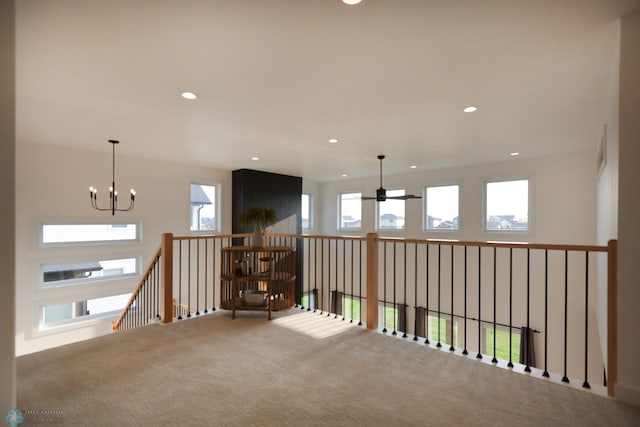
(378, 214)
(311, 216)
(530, 208)
(449, 325)
(515, 331)
(87, 280)
(383, 312)
(425, 217)
(339, 218)
(216, 207)
(79, 321)
(43, 224)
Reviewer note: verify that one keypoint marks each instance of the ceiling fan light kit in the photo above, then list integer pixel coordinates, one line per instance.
(381, 193)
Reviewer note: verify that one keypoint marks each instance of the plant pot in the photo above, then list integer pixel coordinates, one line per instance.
(257, 240)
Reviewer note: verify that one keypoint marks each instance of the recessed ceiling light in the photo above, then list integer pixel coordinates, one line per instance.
(255, 158)
(333, 141)
(413, 166)
(189, 95)
(470, 109)
(514, 154)
(351, 2)
(344, 175)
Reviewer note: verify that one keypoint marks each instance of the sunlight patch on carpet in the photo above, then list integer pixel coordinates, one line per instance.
(313, 324)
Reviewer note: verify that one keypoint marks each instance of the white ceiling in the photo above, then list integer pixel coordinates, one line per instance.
(278, 78)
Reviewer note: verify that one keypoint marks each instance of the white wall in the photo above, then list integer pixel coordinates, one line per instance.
(563, 211)
(628, 387)
(563, 199)
(53, 185)
(313, 188)
(607, 189)
(7, 212)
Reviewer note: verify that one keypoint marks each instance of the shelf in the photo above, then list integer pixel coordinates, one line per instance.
(276, 279)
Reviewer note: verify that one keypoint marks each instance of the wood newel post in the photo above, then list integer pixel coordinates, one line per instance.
(166, 259)
(612, 317)
(372, 281)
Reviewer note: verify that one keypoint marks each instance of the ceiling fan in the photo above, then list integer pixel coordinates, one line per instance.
(381, 193)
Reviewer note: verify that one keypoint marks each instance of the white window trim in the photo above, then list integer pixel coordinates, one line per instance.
(87, 281)
(424, 209)
(377, 213)
(311, 216)
(530, 208)
(81, 322)
(218, 221)
(339, 211)
(42, 244)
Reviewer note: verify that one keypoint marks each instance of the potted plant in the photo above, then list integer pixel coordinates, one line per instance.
(260, 217)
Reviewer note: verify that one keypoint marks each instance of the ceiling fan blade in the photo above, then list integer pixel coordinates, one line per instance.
(367, 198)
(405, 197)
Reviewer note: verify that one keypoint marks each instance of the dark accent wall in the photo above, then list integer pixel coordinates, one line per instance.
(280, 192)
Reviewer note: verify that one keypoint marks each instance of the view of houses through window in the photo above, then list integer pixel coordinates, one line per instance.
(82, 272)
(350, 211)
(507, 205)
(203, 208)
(391, 211)
(442, 207)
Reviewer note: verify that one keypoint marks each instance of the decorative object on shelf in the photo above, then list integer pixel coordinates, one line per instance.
(253, 297)
(260, 217)
(381, 193)
(269, 282)
(113, 193)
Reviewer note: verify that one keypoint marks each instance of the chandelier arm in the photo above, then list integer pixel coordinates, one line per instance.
(113, 196)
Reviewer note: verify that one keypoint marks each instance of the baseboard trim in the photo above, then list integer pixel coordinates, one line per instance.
(628, 394)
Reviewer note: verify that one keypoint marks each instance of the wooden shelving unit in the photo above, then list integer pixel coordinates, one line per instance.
(261, 279)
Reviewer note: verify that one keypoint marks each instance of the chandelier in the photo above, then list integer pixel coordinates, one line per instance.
(113, 194)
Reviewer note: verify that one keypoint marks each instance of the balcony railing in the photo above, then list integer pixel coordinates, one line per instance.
(549, 295)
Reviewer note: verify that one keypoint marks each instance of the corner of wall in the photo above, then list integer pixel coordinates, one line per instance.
(7, 214)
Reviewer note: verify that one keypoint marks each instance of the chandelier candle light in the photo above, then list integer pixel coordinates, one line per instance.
(113, 194)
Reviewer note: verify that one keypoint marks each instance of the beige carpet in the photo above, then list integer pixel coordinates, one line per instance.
(251, 372)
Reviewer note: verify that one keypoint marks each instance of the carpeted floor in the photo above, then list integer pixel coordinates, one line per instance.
(251, 372)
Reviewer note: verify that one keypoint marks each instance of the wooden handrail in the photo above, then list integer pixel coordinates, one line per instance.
(216, 236)
(184, 307)
(169, 305)
(523, 245)
(115, 326)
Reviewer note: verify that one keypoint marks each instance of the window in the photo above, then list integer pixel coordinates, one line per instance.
(82, 272)
(391, 212)
(388, 317)
(502, 343)
(351, 307)
(203, 208)
(57, 314)
(350, 211)
(442, 207)
(307, 219)
(444, 331)
(88, 233)
(507, 205)
(309, 299)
